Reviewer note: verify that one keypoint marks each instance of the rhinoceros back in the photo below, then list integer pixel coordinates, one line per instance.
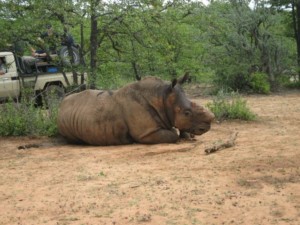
(92, 117)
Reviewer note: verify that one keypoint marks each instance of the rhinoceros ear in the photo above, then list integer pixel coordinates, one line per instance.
(184, 78)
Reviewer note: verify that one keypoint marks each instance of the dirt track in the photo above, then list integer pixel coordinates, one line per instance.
(255, 182)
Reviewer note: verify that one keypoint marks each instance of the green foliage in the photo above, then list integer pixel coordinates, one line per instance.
(17, 119)
(293, 85)
(244, 39)
(221, 42)
(110, 76)
(230, 106)
(259, 83)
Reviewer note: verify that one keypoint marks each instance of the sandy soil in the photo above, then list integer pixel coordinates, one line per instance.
(255, 182)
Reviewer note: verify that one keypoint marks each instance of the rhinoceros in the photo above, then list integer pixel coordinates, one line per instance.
(148, 111)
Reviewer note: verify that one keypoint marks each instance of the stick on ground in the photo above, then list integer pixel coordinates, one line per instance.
(219, 146)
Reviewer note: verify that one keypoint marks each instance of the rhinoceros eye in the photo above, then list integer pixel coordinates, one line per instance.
(187, 113)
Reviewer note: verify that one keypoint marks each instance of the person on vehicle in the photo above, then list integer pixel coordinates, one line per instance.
(48, 38)
(2, 67)
(48, 43)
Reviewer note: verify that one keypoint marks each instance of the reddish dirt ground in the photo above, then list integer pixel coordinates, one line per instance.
(255, 182)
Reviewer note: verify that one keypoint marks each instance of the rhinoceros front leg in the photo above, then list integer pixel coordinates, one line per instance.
(160, 136)
(186, 135)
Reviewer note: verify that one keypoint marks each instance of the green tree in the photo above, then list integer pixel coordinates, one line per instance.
(226, 40)
(292, 8)
(24, 21)
(243, 41)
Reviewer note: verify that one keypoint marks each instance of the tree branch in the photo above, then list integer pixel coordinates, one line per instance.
(219, 146)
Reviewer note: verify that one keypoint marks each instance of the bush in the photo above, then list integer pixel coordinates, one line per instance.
(230, 106)
(259, 83)
(233, 77)
(110, 76)
(18, 119)
(293, 85)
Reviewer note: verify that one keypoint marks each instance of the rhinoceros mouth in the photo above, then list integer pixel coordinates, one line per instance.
(200, 130)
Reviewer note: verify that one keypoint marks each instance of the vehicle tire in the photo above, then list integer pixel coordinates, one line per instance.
(53, 95)
(66, 58)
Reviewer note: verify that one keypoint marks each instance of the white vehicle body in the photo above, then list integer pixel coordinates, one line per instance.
(12, 82)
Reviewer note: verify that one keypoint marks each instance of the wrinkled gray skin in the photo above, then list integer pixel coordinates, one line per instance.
(146, 111)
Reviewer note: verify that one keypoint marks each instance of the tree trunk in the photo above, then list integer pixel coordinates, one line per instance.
(134, 63)
(296, 26)
(82, 61)
(135, 70)
(70, 51)
(81, 55)
(94, 43)
(298, 36)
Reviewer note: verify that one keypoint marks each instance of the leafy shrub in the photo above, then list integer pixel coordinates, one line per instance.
(295, 84)
(24, 118)
(111, 77)
(259, 83)
(230, 106)
(234, 77)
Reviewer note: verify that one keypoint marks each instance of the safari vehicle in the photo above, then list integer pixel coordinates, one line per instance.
(43, 78)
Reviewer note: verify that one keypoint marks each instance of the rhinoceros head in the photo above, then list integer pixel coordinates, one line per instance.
(188, 116)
